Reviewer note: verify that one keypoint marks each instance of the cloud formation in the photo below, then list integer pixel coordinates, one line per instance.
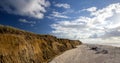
(63, 5)
(58, 15)
(114, 33)
(92, 9)
(26, 21)
(30, 8)
(101, 23)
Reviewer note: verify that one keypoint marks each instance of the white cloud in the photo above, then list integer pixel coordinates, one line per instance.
(63, 5)
(58, 15)
(30, 8)
(92, 9)
(112, 33)
(101, 23)
(26, 21)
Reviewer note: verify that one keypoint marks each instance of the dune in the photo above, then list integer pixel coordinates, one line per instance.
(88, 53)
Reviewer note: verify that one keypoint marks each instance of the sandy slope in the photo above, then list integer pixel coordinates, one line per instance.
(90, 54)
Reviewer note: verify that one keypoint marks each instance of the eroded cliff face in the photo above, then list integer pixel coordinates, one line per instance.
(17, 46)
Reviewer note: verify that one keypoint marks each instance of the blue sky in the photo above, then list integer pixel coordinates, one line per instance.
(91, 21)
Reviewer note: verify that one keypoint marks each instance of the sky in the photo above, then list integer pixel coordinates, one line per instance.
(90, 21)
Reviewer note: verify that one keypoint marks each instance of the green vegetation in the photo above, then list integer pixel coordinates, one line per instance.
(18, 46)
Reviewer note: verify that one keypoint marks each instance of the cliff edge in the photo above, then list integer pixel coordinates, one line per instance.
(18, 46)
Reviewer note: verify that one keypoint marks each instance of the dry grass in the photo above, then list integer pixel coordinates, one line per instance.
(18, 46)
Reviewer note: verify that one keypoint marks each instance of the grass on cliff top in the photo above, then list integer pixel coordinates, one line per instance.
(13, 30)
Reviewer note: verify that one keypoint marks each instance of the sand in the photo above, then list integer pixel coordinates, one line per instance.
(90, 54)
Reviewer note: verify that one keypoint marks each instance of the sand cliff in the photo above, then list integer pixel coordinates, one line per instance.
(18, 46)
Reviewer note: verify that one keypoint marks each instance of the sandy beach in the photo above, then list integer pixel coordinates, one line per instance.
(90, 54)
